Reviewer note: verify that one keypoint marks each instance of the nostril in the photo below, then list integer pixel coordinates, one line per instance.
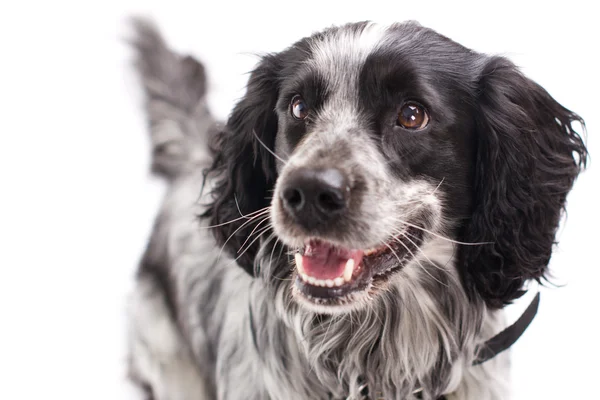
(293, 198)
(313, 196)
(331, 201)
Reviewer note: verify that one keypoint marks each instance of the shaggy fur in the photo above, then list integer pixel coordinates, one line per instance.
(486, 180)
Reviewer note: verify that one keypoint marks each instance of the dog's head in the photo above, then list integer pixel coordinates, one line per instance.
(360, 144)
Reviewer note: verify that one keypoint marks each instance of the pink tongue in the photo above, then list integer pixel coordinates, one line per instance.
(323, 261)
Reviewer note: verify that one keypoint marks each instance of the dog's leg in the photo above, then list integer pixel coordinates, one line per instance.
(159, 360)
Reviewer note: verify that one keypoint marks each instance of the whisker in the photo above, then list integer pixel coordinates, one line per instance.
(233, 234)
(422, 252)
(440, 236)
(269, 238)
(281, 251)
(266, 243)
(267, 147)
(251, 233)
(237, 205)
(262, 211)
(262, 232)
(417, 260)
(273, 250)
(403, 202)
(438, 186)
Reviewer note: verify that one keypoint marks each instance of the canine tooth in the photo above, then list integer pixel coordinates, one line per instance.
(339, 281)
(299, 265)
(329, 283)
(370, 251)
(303, 276)
(348, 270)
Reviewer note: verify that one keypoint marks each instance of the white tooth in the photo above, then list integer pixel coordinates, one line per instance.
(329, 283)
(339, 281)
(348, 270)
(304, 276)
(311, 280)
(299, 265)
(320, 282)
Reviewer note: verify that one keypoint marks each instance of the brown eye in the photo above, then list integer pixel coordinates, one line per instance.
(299, 108)
(412, 116)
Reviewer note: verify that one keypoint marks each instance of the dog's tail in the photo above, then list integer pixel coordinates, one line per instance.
(175, 87)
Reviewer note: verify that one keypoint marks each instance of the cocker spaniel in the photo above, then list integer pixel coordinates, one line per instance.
(355, 228)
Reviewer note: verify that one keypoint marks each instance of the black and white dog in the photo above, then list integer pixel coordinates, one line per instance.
(374, 200)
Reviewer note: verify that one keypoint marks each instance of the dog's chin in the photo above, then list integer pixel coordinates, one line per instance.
(332, 279)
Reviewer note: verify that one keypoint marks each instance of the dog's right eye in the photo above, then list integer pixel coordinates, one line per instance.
(298, 108)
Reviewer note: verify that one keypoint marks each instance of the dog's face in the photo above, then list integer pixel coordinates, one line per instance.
(370, 136)
(370, 141)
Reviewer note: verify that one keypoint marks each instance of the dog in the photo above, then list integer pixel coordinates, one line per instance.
(355, 228)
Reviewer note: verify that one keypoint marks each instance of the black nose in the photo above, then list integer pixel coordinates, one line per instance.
(314, 196)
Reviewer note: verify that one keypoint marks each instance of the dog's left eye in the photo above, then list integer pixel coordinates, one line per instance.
(298, 108)
(412, 116)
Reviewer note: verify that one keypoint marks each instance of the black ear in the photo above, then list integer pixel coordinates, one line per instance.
(528, 157)
(245, 169)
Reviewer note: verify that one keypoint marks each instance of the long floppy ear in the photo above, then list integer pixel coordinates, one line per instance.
(528, 157)
(245, 169)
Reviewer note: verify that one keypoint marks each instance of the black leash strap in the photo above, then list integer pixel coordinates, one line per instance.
(508, 336)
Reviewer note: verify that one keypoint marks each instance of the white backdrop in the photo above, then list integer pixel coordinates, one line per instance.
(77, 201)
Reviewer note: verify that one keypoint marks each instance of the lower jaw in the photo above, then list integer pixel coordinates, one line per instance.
(327, 293)
(342, 302)
(362, 287)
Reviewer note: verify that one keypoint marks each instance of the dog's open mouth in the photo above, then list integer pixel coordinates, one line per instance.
(325, 272)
